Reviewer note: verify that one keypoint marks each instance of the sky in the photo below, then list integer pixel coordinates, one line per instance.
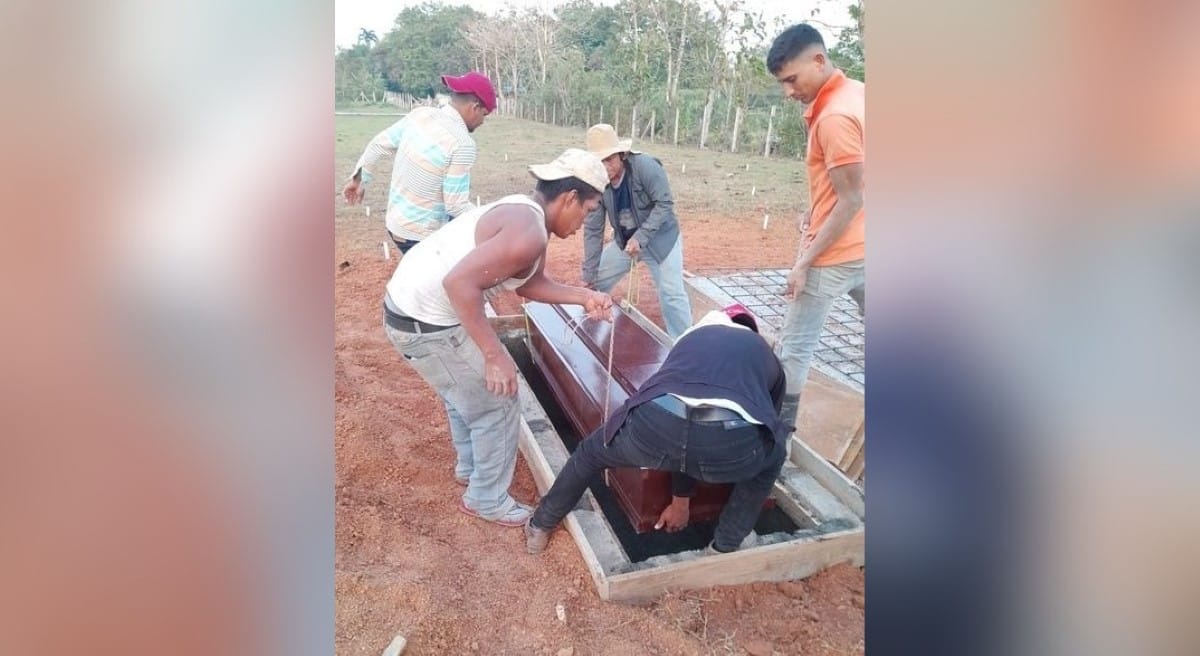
(351, 15)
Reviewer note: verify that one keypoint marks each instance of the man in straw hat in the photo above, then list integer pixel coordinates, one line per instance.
(641, 211)
(434, 153)
(434, 316)
(711, 413)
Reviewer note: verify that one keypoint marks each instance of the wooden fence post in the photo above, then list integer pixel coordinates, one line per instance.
(770, 125)
(737, 123)
(632, 125)
(653, 119)
(675, 140)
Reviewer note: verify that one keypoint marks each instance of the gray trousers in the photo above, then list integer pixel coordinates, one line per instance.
(806, 316)
(483, 426)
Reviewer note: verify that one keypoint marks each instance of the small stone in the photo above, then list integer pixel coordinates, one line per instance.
(397, 646)
(810, 615)
(759, 648)
(560, 611)
(792, 589)
(566, 651)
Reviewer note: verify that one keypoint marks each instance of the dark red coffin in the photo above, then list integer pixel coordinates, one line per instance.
(571, 351)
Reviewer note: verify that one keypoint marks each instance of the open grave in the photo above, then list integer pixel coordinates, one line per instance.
(814, 520)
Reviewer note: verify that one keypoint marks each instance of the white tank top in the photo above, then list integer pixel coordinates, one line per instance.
(416, 286)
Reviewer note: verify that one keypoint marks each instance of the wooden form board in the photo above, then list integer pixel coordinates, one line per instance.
(832, 532)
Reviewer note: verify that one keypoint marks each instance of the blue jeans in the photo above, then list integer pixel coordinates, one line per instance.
(806, 316)
(668, 280)
(653, 438)
(483, 426)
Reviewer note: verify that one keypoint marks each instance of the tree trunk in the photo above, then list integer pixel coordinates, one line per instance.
(728, 112)
(673, 93)
(632, 125)
(675, 139)
(653, 119)
(737, 123)
(554, 114)
(617, 119)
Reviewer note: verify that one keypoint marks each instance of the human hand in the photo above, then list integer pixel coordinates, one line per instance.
(598, 305)
(353, 192)
(675, 516)
(500, 374)
(632, 248)
(795, 282)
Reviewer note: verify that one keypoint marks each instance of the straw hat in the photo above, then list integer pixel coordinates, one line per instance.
(574, 163)
(602, 141)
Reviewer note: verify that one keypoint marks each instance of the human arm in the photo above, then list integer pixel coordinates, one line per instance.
(593, 244)
(841, 141)
(675, 516)
(383, 145)
(507, 244)
(456, 183)
(542, 288)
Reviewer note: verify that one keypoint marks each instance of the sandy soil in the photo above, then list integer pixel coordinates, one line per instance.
(408, 562)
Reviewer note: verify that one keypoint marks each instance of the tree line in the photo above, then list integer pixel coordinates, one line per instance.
(689, 70)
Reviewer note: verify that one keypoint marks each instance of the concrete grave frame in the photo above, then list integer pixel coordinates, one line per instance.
(827, 506)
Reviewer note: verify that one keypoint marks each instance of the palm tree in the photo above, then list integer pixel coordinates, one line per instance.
(367, 37)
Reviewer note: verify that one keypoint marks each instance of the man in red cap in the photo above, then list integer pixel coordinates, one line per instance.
(710, 413)
(433, 154)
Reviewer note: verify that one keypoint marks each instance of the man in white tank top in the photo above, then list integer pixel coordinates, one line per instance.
(434, 315)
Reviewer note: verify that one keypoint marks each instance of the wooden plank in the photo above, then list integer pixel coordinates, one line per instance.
(857, 466)
(853, 448)
(809, 493)
(830, 477)
(791, 507)
(546, 455)
(774, 562)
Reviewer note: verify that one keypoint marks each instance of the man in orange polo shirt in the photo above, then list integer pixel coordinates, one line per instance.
(832, 252)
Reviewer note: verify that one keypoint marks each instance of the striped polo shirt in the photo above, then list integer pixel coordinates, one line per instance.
(431, 175)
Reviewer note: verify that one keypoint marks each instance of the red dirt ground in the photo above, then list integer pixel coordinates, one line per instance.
(409, 563)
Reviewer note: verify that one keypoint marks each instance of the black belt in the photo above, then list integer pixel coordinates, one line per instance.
(409, 324)
(705, 413)
(404, 245)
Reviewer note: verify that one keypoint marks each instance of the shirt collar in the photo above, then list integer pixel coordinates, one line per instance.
(832, 84)
(450, 110)
(713, 318)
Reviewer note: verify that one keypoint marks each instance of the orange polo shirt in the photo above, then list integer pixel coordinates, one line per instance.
(836, 132)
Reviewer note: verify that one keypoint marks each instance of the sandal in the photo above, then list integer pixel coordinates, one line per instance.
(514, 517)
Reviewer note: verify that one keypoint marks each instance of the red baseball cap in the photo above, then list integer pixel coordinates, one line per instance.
(740, 315)
(476, 83)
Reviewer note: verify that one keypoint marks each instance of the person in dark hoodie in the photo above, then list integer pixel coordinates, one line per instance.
(710, 413)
